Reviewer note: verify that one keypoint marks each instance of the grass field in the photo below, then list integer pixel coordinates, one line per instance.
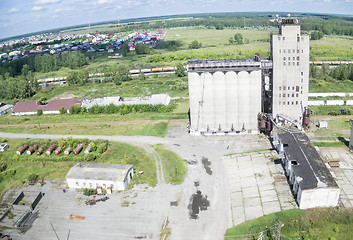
(117, 153)
(319, 223)
(332, 48)
(174, 167)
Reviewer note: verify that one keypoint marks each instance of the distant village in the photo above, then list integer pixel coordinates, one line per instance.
(54, 43)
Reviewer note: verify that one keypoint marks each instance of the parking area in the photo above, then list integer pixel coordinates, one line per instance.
(343, 173)
(257, 186)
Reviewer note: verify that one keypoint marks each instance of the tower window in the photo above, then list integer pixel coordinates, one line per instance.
(288, 95)
(298, 58)
(302, 73)
(284, 63)
(288, 103)
(284, 50)
(293, 64)
(279, 50)
(279, 88)
(284, 38)
(284, 58)
(298, 39)
(302, 51)
(292, 94)
(284, 103)
(293, 88)
(288, 63)
(288, 50)
(297, 50)
(296, 102)
(297, 95)
(279, 38)
(297, 63)
(297, 88)
(288, 88)
(279, 95)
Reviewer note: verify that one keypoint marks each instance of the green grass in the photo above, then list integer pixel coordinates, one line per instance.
(320, 85)
(158, 129)
(174, 167)
(319, 223)
(326, 110)
(117, 153)
(332, 48)
(329, 144)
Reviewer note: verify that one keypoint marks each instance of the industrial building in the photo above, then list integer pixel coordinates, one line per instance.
(155, 99)
(113, 176)
(227, 95)
(224, 95)
(311, 182)
(289, 83)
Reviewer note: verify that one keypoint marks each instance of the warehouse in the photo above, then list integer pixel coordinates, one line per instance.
(224, 95)
(311, 182)
(51, 107)
(114, 176)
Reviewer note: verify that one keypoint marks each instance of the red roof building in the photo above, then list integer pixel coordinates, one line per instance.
(31, 107)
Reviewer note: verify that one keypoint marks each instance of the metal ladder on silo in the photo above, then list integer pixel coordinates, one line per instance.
(201, 102)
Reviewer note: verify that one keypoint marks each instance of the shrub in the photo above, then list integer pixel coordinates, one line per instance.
(62, 110)
(32, 177)
(88, 192)
(39, 112)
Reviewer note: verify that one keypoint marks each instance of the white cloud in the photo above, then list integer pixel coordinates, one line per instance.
(38, 8)
(104, 1)
(45, 2)
(13, 10)
(58, 10)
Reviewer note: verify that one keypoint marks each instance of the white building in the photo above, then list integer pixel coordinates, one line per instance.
(290, 80)
(115, 176)
(311, 182)
(224, 95)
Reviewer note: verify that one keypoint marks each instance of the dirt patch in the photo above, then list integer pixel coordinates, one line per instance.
(206, 165)
(198, 202)
(64, 96)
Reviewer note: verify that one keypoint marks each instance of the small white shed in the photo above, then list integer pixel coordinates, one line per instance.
(115, 176)
(323, 124)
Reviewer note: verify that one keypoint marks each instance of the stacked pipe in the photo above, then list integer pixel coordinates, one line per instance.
(67, 151)
(78, 148)
(22, 149)
(50, 149)
(32, 149)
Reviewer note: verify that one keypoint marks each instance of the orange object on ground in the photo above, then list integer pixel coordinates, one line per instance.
(72, 216)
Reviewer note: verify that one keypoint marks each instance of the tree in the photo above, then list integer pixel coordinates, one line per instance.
(238, 37)
(180, 70)
(39, 112)
(195, 45)
(141, 48)
(231, 40)
(316, 35)
(122, 75)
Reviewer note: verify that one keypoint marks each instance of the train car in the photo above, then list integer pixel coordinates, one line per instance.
(157, 69)
(317, 63)
(134, 71)
(146, 70)
(335, 62)
(168, 69)
(327, 62)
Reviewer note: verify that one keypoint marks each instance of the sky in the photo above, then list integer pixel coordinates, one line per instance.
(26, 16)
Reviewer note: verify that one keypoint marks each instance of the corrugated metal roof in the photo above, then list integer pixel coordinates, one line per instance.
(32, 106)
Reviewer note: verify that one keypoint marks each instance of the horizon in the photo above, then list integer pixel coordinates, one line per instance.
(25, 17)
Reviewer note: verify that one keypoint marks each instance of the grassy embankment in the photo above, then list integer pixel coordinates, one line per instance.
(319, 223)
(174, 167)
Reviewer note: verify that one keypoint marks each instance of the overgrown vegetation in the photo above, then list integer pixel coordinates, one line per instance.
(174, 167)
(318, 223)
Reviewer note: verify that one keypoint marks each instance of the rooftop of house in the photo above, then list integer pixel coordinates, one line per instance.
(111, 172)
(53, 105)
(309, 169)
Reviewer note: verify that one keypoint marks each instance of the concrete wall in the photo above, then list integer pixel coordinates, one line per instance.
(223, 100)
(319, 197)
(290, 75)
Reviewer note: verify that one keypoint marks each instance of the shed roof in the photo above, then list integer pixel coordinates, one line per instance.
(311, 171)
(53, 105)
(111, 172)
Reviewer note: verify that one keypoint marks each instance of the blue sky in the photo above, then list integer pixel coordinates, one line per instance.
(26, 16)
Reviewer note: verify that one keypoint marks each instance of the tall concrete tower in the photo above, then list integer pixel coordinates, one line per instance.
(290, 81)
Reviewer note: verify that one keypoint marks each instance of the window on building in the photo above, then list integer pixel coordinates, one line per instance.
(279, 88)
(297, 95)
(296, 102)
(284, 38)
(284, 103)
(288, 50)
(284, 50)
(297, 50)
(297, 88)
(288, 63)
(288, 95)
(293, 63)
(284, 63)
(90, 185)
(293, 88)
(302, 73)
(279, 38)
(293, 51)
(279, 103)
(297, 63)
(84, 184)
(292, 94)
(301, 92)
(302, 80)
(293, 58)
(284, 58)
(288, 103)
(279, 50)
(292, 103)
(301, 86)
(77, 184)
(302, 51)
(288, 88)
(298, 39)
(279, 95)
(298, 58)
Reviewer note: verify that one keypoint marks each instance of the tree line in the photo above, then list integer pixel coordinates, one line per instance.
(121, 109)
(341, 72)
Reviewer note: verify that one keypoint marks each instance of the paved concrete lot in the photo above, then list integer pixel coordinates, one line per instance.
(252, 173)
(257, 185)
(343, 173)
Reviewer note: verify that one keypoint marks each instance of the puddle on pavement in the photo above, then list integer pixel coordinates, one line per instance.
(206, 165)
(198, 202)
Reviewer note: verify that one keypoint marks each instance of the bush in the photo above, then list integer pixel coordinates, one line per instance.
(180, 70)
(39, 112)
(90, 157)
(195, 45)
(32, 177)
(62, 110)
(88, 192)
